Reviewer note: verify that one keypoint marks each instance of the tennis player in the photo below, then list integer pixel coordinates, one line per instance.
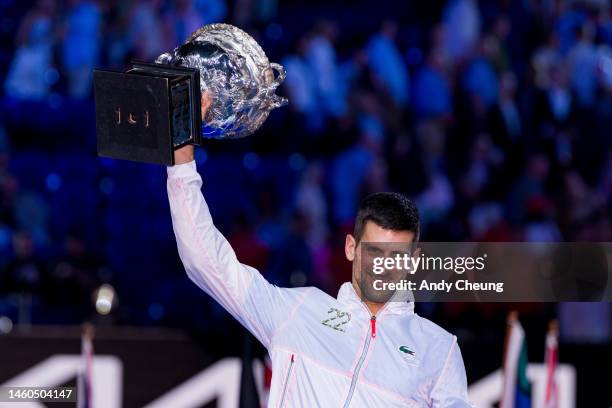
(325, 351)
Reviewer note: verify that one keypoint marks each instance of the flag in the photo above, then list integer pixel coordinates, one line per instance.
(516, 391)
(551, 359)
(84, 381)
(267, 381)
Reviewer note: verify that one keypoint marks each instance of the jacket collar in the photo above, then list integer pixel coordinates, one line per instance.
(347, 296)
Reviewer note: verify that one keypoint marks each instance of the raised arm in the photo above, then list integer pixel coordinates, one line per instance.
(211, 263)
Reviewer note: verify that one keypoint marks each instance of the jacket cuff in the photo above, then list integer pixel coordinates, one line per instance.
(182, 170)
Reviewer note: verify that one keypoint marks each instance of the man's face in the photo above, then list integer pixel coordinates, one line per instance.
(376, 242)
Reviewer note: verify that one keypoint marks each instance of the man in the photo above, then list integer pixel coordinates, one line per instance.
(325, 351)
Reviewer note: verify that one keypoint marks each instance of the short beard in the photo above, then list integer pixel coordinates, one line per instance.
(369, 294)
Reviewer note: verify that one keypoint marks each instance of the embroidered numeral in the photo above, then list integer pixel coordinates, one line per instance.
(337, 319)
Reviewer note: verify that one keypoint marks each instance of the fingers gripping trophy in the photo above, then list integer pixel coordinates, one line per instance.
(219, 84)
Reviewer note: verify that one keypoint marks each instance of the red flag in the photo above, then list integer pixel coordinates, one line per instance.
(551, 359)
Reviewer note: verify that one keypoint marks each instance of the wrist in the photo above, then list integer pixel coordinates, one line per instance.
(184, 155)
(183, 159)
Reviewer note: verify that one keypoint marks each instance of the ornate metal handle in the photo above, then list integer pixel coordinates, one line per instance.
(280, 77)
(268, 97)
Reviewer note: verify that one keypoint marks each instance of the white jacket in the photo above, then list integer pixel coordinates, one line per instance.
(325, 352)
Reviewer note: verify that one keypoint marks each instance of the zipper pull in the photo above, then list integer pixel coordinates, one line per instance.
(373, 325)
(292, 358)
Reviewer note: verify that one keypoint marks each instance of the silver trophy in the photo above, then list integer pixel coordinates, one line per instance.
(238, 76)
(152, 109)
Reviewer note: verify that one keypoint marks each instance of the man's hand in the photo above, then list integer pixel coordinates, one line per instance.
(185, 153)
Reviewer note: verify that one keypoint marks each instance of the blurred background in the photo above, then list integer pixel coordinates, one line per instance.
(494, 116)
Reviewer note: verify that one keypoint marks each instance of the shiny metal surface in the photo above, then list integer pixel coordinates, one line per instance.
(238, 75)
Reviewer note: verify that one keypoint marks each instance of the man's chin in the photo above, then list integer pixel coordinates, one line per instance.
(376, 296)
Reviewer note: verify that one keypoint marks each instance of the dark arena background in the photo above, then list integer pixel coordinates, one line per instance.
(494, 116)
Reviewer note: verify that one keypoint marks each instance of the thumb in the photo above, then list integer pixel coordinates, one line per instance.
(206, 102)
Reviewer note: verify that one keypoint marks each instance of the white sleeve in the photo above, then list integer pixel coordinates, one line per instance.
(450, 390)
(211, 263)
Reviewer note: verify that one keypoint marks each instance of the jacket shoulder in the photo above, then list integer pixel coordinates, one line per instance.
(310, 291)
(298, 296)
(432, 331)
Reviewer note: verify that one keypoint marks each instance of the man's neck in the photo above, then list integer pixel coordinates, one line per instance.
(373, 307)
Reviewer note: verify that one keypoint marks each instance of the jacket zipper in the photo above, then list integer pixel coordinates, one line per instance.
(364, 352)
(373, 325)
(287, 380)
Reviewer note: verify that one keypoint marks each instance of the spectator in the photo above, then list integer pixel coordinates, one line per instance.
(505, 125)
(31, 213)
(291, 263)
(212, 11)
(348, 173)
(432, 88)
(74, 276)
(556, 105)
(387, 64)
(321, 57)
(461, 20)
(541, 226)
(311, 203)
(31, 72)
(531, 183)
(544, 58)
(146, 32)
(182, 21)
(301, 86)
(582, 60)
(81, 45)
(24, 273)
(480, 79)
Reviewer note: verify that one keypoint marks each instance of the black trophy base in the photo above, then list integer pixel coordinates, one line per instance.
(146, 113)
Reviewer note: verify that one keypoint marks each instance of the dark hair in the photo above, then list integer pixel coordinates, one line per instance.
(392, 211)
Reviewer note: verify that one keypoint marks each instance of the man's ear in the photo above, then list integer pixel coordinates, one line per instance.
(350, 247)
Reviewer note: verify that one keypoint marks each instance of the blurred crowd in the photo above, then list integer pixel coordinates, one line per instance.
(492, 115)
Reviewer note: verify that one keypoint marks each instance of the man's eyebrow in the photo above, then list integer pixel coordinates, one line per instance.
(371, 245)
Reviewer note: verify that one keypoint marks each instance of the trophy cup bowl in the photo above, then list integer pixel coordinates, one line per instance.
(152, 109)
(236, 73)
